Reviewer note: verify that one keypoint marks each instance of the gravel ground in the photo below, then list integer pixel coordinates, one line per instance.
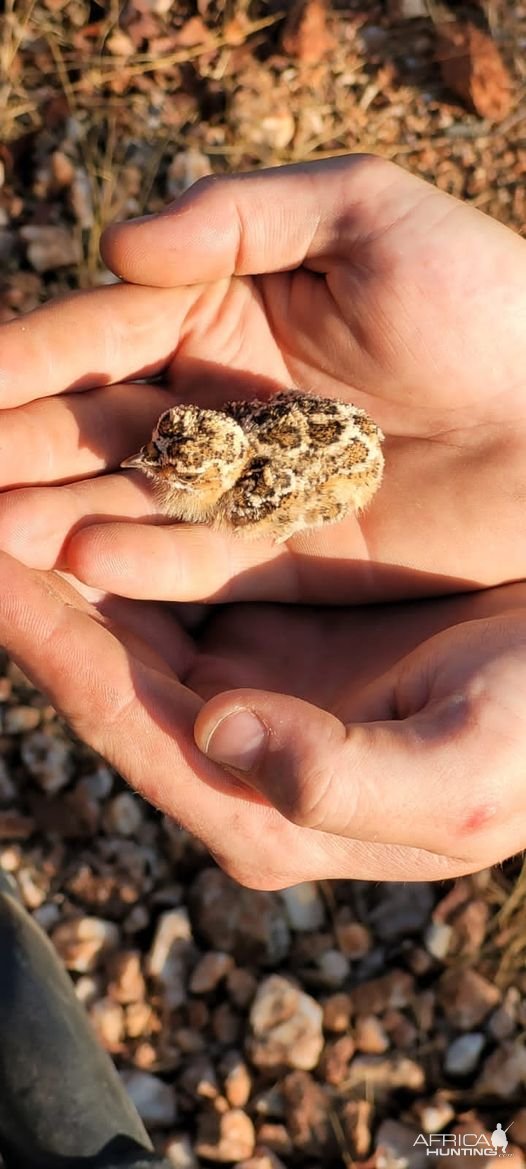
(329, 1023)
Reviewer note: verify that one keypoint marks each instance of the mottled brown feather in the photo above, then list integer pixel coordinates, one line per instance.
(264, 468)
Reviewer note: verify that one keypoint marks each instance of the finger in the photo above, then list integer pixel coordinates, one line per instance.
(89, 674)
(141, 721)
(76, 435)
(35, 522)
(197, 563)
(414, 782)
(89, 339)
(185, 563)
(267, 221)
(43, 527)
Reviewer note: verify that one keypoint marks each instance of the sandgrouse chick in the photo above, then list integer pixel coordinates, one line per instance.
(267, 468)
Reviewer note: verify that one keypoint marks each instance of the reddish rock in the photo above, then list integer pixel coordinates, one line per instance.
(473, 69)
(395, 989)
(307, 1114)
(225, 1138)
(466, 997)
(337, 1012)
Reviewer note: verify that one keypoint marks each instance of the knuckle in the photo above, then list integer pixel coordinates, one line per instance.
(250, 873)
(208, 183)
(308, 803)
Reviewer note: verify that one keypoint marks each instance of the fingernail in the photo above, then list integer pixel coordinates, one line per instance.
(237, 740)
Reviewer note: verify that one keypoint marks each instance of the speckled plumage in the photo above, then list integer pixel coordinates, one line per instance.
(267, 468)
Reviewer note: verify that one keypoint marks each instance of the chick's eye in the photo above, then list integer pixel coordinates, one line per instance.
(165, 425)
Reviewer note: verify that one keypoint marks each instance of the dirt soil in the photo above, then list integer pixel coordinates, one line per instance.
(336, 1022)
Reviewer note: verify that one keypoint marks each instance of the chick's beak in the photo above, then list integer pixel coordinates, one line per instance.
(145, 458)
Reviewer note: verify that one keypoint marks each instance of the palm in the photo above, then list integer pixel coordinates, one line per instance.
(417, 315)
(132, 684)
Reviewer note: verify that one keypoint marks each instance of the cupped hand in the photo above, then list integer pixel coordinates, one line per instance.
(393, 738)
(348, 278)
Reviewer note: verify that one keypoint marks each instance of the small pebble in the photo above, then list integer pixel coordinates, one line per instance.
(98, 783)
(180, 1154)
(88, 989)
(504, 1072)
(397, 1147)
(237, 1081)
(154, 1100)
(386, 1073)
(226, 1138)
(354, 939)
(435, 1114)
(334, 968)
(185, 168)
(246, 923)
(32, 889)
(466, 997)
(48, 760)
(124, 815)
(226, 1024)
(198, 1078)
(241, 985)
(395, 989)
(84, 942)
(286, 1026)
(369, 1035)
(18, 719)
(189, 1041)
(209, 971)
(168, 957)
(337, 1013)
(463, 1054)
(265, 1159)
(502, 1024)
(108, 1019)
(438, 939)
(335, 1059)
(140, 1019)
(304, 906)
(47, 915)
(50, 247)
(127, 983)
(10, 858)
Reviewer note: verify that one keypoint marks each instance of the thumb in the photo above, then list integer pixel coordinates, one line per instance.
(266, 221)
(399, 782)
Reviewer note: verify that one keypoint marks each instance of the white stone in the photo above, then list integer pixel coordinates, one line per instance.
(48, 759)
(180, 1154)
(83, 942)
(463, 1054)
(304, 906)
(334, 968)
(124, 814)
(396, 1148)
(435, 1114)
(167, 958)
(437, 939)
(286, 1026)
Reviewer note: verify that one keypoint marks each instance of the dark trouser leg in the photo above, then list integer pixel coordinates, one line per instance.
(62, 1105)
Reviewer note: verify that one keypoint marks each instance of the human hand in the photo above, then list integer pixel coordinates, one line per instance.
(348, 278)
(395, 735)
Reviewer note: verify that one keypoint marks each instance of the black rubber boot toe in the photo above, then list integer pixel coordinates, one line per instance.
(62, 1104)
